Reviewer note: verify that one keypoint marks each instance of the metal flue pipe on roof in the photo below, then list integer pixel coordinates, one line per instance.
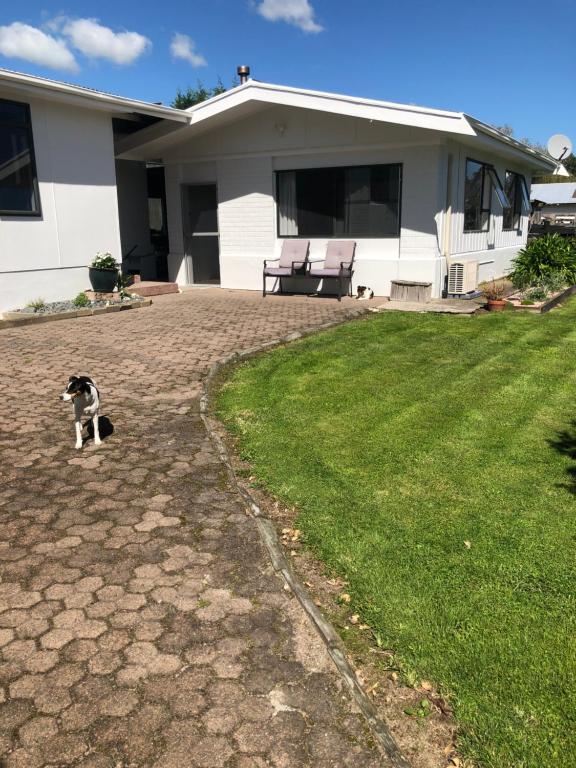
(243, 73)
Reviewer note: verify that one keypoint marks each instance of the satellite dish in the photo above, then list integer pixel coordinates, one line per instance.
(559, 146)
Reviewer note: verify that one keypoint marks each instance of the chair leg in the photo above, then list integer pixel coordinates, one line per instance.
(340, 288)
(263, 285)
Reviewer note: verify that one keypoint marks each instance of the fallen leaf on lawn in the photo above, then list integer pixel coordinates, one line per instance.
(425, 685)
(456, 761)
(345, 597)
(308, 584)
(467, 544)
(354, 619)
(372, 688)
(364, 626)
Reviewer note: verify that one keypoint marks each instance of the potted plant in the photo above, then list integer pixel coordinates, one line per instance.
(494, 291)
(103, 273)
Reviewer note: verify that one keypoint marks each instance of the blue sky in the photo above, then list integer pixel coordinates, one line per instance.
(503, 62)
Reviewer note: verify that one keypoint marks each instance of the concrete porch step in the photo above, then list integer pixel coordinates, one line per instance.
(153, 288)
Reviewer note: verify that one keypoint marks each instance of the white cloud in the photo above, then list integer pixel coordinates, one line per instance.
(297, 12)
(183, 47)
(21, 41)
(99, 42)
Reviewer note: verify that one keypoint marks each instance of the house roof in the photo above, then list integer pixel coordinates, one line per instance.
(554, 194)
(255, 95)
(88, 97)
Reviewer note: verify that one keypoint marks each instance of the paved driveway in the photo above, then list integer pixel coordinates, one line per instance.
(140, 621)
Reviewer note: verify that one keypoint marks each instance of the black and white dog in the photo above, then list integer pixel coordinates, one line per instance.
(82, 392)
(363, 293)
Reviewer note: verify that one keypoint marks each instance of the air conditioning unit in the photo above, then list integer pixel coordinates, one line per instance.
(462, 277)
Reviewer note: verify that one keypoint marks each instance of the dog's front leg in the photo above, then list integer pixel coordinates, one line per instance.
(78, 425)
(97, 440)
(78, 422)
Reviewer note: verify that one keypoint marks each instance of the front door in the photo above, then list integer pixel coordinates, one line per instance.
(200, 220)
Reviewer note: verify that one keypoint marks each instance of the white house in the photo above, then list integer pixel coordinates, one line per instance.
(413, 187)
(58, 183)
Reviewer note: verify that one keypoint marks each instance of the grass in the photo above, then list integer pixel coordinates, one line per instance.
(430, 458)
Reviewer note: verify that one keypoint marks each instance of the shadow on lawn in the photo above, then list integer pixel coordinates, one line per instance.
(565, 443)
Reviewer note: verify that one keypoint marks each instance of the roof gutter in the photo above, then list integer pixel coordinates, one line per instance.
(535, 154)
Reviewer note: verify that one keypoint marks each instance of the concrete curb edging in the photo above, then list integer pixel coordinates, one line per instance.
(279, 561)
(16, 319)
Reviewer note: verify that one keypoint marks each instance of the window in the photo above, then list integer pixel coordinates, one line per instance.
(18, 182)
(519, 200)
(481, 181)
(359, 201)
(477, 197)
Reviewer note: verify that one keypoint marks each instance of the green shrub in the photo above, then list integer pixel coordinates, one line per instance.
(36, 305)
(551, 258)
(81, 300)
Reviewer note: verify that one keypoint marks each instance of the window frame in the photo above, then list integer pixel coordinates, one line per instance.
(486, 167)
(37, 213)
(520, 182)
(396, 235)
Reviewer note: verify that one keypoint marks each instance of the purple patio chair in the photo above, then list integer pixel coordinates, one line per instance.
(292, 261)
(337, 264)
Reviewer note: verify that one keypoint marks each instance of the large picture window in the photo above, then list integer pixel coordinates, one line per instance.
(358, 201)
(518, 198)
(18, 182)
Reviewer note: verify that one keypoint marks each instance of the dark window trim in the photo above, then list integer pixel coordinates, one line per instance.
(347, 236)
(482, 210)
(517, 194)
(37, 214)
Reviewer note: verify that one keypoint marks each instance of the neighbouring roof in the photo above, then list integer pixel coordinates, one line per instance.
(554, 194)
(88, 97)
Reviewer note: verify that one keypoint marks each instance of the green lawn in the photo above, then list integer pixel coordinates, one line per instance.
(400, 437)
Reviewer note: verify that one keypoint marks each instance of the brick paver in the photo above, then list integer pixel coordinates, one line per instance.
(140, 621)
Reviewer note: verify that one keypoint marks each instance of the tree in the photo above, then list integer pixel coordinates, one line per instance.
(508, 130)
(192, 96)
(570, 164)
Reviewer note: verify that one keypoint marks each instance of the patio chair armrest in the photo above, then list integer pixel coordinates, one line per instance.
(346, 265)
(315, 261)
(267, 261)
(300, 263)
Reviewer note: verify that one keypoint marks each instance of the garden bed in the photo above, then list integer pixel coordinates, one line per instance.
(545, 305)
(64, 310)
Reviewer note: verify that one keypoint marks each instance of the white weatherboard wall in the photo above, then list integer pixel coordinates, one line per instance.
(46, 257)
(242, 160)
(495, 248)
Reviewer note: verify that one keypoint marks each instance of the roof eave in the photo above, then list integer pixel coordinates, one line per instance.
(95, 99)
(539, 159)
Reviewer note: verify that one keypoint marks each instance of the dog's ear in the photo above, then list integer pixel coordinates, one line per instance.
(72, 378)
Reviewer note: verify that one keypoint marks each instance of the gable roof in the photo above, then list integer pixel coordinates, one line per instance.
(554, 194)
(254, 95)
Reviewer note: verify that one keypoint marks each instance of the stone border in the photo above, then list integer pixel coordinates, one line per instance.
(280, 562)
(15, 319)
(547, 305)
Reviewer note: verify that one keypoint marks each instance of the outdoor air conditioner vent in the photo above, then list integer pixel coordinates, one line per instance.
(462, 277)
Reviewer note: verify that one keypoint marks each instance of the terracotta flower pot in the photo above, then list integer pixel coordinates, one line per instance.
(495, 305)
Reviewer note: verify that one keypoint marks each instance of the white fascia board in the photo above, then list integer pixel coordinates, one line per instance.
(367, 109)
(54, 90)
